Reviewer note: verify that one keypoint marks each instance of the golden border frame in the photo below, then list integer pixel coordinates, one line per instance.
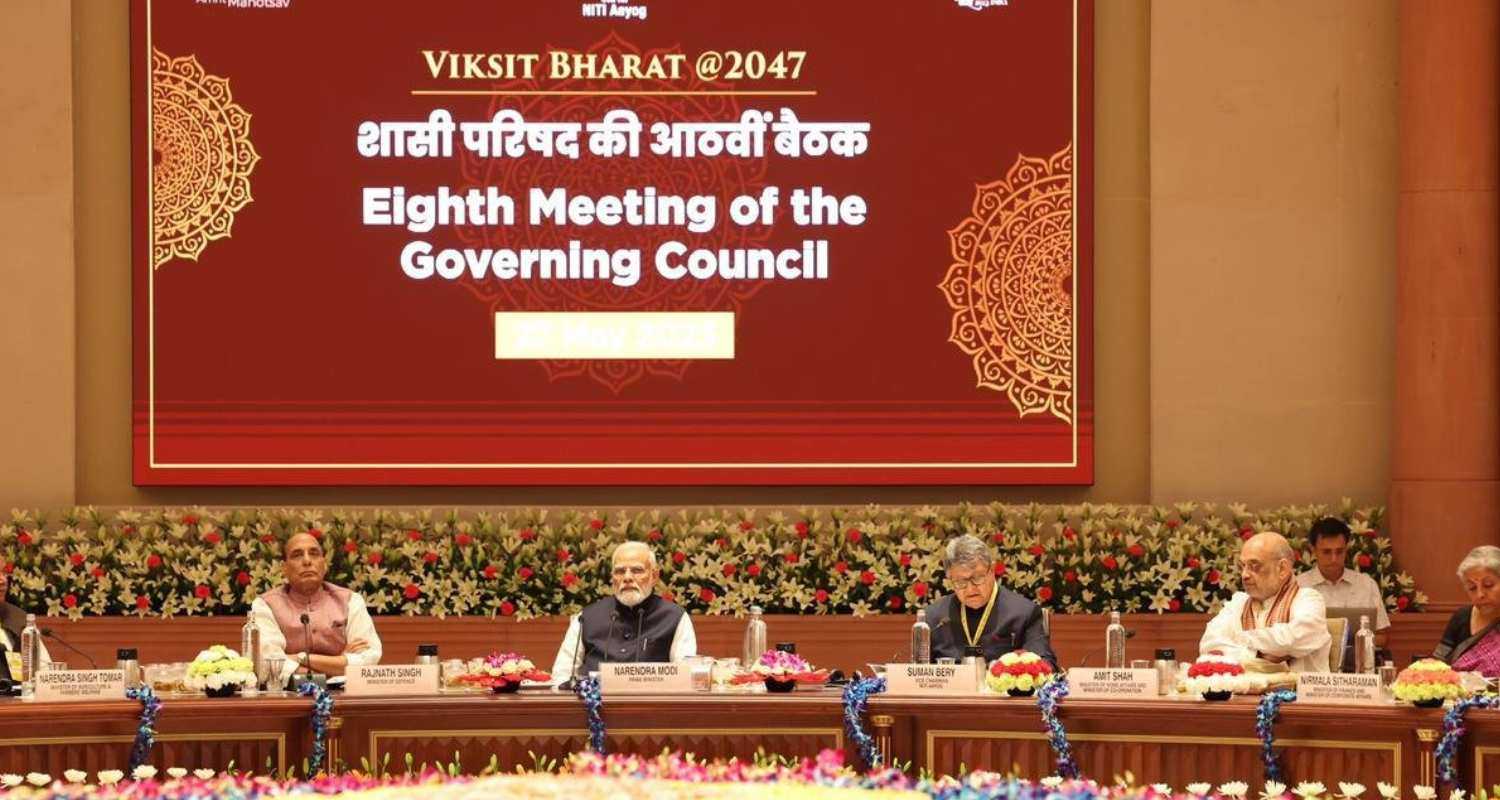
(43, 741)
(1479, 753)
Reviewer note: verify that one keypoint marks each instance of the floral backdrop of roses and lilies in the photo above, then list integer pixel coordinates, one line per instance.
(526, 563)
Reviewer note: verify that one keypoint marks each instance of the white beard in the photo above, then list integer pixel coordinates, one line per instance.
(631, 597)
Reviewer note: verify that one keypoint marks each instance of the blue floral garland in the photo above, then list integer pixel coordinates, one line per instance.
(322, 710)
(587, 690)
(856, 700)
(1265, 720)
(1453, 735)
(145, 732)
(1048, 699)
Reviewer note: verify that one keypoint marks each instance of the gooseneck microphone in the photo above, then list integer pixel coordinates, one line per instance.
(47, 632)
(306, 643)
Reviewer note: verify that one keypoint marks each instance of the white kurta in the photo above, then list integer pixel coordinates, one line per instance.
(1304, 638)
(273, 641)
(15, 646)
(1353, 590)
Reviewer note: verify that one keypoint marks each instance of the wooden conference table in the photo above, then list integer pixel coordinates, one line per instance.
(1170, 741)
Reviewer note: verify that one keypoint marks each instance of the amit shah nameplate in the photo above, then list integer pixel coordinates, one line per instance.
(653, 678)
(69, 685)
(388, 679)
(1112, 684)
(1338, 687)
(931, 679)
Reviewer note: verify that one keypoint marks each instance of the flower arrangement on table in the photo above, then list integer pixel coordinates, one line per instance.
(1216, 677)
(782, 671)
(219, 672)
(504, 672)
(1427, 683)
(1019, 674)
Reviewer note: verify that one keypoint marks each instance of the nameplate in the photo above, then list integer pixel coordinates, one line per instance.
(61, 686)
(1340, 687)
(930, 679)
(645, 678)
(1112, 684)
(388, 679)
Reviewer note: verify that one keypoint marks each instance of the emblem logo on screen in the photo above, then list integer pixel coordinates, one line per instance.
(980, 5)
(622, 9)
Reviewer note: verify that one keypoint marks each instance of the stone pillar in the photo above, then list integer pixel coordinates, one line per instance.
(1445, 466)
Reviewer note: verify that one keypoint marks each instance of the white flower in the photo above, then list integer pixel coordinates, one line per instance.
(110, 776)
(144, 772)
(1423, 792)
(1199, 788)
(1236, 789)
(10, 779)
(1273, 789)
(1052, 781)
(75, 776)
(1351, 790)
(1456, 794)
(38, 778)
(177, 772)
(204, 774)
(1161, 788)
(1310, 790)
(1388, 791)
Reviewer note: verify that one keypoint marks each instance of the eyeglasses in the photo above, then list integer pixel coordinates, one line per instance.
(960, 584)
(634, 572)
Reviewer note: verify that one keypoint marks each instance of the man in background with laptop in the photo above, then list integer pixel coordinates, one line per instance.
(1345, 591)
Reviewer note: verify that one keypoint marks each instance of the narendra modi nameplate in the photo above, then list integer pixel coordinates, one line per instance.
(645, 678)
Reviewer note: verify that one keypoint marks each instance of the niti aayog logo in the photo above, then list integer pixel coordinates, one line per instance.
(980, 5)
(615, 9)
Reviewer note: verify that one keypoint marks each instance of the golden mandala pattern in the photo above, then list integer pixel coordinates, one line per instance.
(201, 158)
(1011, 285)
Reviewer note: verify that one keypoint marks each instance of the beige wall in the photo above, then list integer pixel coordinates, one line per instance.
(36, 268)
(1178, 296)
(1273, 248)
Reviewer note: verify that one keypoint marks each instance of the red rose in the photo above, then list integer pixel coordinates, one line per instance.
(525, 573)
(568, 579)
(242, 578)
(1109, 563)
(1044, 594)
(267, 538)
(414, 536)
(1193, 562)
(998, 538)
(1069, 533)
(1212, 576)
(596, 524)
(999, 568)
(905, 559)
(202, 592)
(706, 595)
(853, 535)
(411, 591)
(527, 534)
(507, 608)
(746, 526)
(1173, 523)
(821, 596)
(1246, 531)
(1174, 605)
(654, 535)
(429, 557)
(490, 571)
(315, 533)
(1370, 533)
(351, 546)
(70, 601)
(669, 596)
(24, 538)
(729, 570)
(76, 559)
(563, 555)
(753, 570)
(678, 557)
(840, 567)
(10, 566)
(1402, 602)
(721, 542)
(801, 528)
(919, 589)
(153, 561)
(463, 540)
(97, 572)
(1070, 576)
(1135, 551)
(189, 519)
(374, 558)
(790, 558)
(212, 537)
(1364, 561)
(867, 578)
(1035, 550)
(128, 530)
(142, 602)
(895, 601)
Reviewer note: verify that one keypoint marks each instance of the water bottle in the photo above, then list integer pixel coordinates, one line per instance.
(1364, 648)
(128, 661)
(427, 654)
(1114, 642)
(250, 648)
(974, 660)
(755, 638)
(31, 655)
(921, 641)
(1166, 670)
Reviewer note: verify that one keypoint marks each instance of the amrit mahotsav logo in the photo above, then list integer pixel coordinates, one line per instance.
(980, 5)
